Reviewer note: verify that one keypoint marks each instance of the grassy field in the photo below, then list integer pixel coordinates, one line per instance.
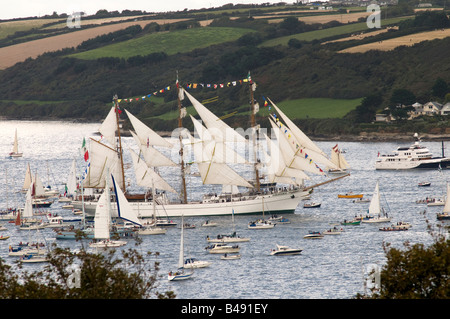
(330, 32)
(10, 27)
(168, 42)
(318, 108)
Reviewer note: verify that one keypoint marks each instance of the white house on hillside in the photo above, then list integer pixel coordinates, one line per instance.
(431, 108)
(445, 110)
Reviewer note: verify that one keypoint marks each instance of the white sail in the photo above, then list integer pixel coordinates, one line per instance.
(210, 157)
(338, 159)
(72, 180)
(146, 135)
(447, 201)
(16, 144)
(277, 168)
(102, 216)
(152, 157)
(109, 126)
(124, 209)
(101, 158)
(217, 128)
(147, 177)
(28, 209)
(374, 207)
(294, 158)
(304, 141)
(214, 150)
(181, 255)
(39, 190)
(28, 179)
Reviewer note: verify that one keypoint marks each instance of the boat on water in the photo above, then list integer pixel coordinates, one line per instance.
(195, 263)
(209, 223)
(351, 222)
(231, 238)
(414, 156)
(285, 250)
(33, 258)
(446, 210)
(376, 213)
(311, 205)
(350, 195)
(260, 224)
(297, 154)
(222, 248)
(180, 273)
(15, 151)
(313, 235)
(333, 231)
(230, 257)
(424, 184)
(102, 220)
(341, 165)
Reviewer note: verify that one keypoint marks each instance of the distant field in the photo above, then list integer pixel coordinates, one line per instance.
(168, 42)
(325, 18)
(325, 33)
(10, 27)
(318, 108)
(391, 44)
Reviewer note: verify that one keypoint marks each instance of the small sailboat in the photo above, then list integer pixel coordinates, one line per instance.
(377, 213)
(102, 220)
(180, 274)
(15, 151)
(446, 210)
(342, 166)
(152, 229)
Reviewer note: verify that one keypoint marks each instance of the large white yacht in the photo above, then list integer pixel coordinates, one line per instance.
(414, 156)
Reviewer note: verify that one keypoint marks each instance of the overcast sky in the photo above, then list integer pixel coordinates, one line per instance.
(31, 8)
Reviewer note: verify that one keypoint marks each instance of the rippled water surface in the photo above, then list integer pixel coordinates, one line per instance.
(328, 268)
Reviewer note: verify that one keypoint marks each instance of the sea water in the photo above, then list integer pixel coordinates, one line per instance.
(334, 267)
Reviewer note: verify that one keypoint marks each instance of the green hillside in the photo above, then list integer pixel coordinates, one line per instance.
(172, 42)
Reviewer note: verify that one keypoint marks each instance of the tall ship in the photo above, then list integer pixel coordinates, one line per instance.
(415, 156)
(291, 155)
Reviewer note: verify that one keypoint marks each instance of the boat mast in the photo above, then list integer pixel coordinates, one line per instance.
(116, 108)
(180, 125)
(254, 130)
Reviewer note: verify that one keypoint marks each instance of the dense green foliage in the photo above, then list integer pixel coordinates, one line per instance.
(68, 87)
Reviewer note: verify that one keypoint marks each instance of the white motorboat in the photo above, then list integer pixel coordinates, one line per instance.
(260, 224)
(222, 248)
(230, 257)
(195, 263)
(285, 250)
(313, 235)
(208, 223)
(231, 238)
(311, 205)
(415, 156)
(151, 230)
(333, 231)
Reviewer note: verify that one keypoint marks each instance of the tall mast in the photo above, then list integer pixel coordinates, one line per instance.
(254, 131)
(180, 125)
(116, 108)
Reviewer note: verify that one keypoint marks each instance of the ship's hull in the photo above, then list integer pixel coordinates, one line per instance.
(285, 202)
(434, 163)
